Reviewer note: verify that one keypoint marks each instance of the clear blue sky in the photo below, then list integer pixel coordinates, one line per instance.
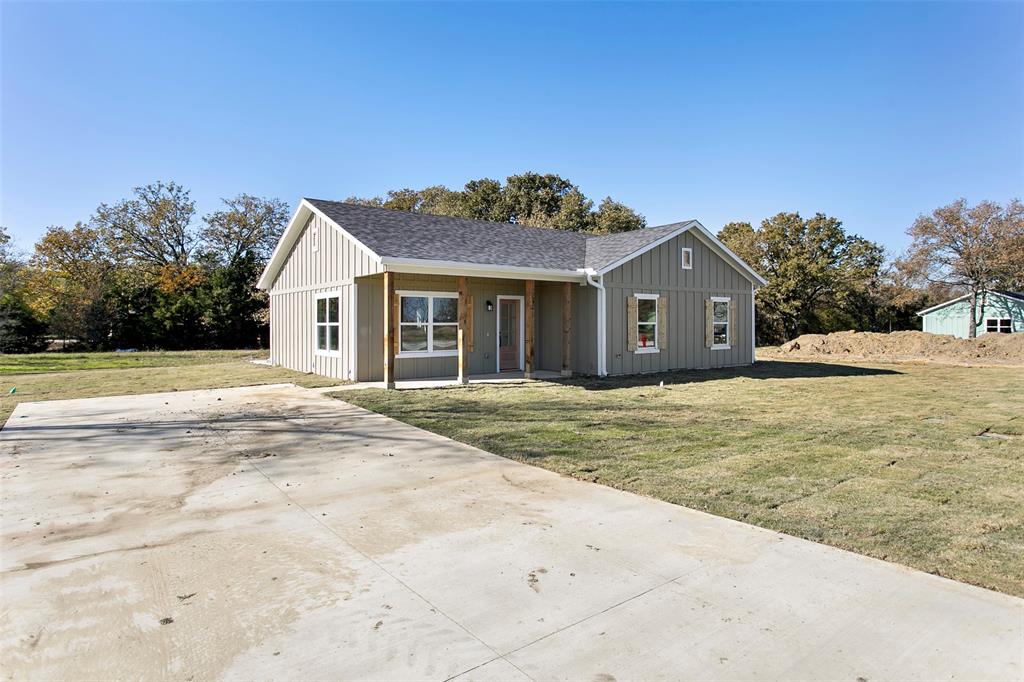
(872, 113)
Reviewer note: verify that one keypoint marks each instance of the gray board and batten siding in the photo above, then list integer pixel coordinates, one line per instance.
(331, 267)
(659, 271)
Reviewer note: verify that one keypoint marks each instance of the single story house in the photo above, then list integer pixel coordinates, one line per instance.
(370, 294)
(1000, 312)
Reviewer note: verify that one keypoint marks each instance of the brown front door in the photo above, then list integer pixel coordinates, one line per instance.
(508, 334)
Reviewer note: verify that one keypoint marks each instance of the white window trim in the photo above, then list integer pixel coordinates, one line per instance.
(314, 237)
(728, 324)
(657, 324)
(997, 320)
(340, 295)
(429, 295)
(686, 263)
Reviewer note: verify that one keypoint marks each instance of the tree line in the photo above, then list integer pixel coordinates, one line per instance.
(145, 273)
(822, 279)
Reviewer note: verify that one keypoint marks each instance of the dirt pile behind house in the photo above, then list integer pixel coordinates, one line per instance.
(1003, 349)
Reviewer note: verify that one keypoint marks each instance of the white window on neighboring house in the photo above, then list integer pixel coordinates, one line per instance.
(328, 324)
(999, 325)
(686, 259)
(646, 323)
(428, 324)
(721, 335)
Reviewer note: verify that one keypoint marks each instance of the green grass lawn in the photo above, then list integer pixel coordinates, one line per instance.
(920, 464)
(58, 376)
(61, 362)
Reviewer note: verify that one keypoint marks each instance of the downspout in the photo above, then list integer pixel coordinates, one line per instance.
(602, 328)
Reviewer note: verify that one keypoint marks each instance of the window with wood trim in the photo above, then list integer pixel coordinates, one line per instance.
(646, 322)
(998, 325)
(328, 323)
(686, 259)
(721, 323)
(428, 324)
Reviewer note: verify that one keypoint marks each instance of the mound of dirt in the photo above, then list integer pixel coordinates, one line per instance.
(1000, 349)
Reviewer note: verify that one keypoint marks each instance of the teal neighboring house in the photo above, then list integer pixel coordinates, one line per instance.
(1001, 312)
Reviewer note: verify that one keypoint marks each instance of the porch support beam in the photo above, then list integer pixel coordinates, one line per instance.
(567, 329)
(390, 329)
(530, 291)
(462, 333)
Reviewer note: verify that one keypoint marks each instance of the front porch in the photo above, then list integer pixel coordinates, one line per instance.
(442, 330)
(443, 382)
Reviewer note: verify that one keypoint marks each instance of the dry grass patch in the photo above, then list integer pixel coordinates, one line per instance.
(918, 464)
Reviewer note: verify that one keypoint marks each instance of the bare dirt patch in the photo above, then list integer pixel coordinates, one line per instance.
(987, 349)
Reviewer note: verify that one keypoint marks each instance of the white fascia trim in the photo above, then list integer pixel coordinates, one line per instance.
(291, 235)
(753, 324)
(644, 249)
(944, 304)
(709, 239)
(443, 267)
(716, 245)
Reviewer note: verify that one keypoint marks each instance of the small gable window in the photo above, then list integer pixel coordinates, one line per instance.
(314, 238)
(686, 259)
(999, 325)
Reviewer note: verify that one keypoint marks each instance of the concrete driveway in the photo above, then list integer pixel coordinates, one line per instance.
(272, 533)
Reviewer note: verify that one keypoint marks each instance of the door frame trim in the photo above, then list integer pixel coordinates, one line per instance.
(497, 332)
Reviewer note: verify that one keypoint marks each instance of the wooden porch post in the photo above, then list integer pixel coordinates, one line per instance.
(389, 329)
(566, 329)
(462, 333)
(529, 333)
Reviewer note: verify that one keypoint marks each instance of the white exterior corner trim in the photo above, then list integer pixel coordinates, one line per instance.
(497, 330)
(753, 325)
(353, 328)
(291, 235)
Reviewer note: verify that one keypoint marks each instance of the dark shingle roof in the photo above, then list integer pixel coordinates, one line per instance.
(606, 249)
(401, 234)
